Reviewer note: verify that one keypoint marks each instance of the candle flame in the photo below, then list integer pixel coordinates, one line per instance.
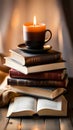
(34, 21)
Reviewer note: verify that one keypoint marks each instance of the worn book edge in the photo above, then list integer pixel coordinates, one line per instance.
(39, 68)
(40, 92)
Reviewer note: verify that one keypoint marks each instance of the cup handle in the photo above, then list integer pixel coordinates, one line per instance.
(47, 30)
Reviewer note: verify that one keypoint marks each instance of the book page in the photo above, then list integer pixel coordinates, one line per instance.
(48, 104)
(21, 104)
(24, 103)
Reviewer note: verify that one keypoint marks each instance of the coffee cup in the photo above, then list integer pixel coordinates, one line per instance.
(34, 35)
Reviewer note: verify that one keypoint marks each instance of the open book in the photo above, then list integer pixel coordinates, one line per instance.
(28, 106)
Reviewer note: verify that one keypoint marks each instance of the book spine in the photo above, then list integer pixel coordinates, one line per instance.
(37, 83)
(52, 75)
(37, 60)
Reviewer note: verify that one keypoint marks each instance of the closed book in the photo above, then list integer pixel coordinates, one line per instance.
(52, 75)
(33, 69)
(30, 59)
(49, 93)
(29, 106)
(38, 83)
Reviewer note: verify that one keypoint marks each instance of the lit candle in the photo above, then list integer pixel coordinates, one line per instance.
(34, 27)
(34, 34)
(34, 21)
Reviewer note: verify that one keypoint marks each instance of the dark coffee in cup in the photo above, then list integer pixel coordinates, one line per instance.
(34, 36)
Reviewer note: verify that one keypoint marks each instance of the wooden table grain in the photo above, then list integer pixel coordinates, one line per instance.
(34, 123)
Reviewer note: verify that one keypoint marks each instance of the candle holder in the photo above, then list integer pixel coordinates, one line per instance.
(34, 35)
(23, 47)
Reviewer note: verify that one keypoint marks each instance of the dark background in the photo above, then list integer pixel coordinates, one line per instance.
(68, 12)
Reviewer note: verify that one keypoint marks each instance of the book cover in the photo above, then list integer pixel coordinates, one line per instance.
(29, 59)
(38, 83)
(33, 69)
(49, 93)
(42, 107)
(52, 75)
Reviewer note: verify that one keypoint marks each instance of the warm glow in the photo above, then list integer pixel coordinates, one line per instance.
(0, 39)
(15, 18)
(1, 46)
(19, 127)
(34, 21)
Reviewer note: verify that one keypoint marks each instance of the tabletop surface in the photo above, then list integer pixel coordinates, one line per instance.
(34, 123)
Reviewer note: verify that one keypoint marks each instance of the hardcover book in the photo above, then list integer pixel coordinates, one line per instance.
(52, 75)
(50, 93)
(33, 69)
(30, 59)
(38, 83)
(29, 106)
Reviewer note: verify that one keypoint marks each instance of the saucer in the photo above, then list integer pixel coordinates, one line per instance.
(23, 47)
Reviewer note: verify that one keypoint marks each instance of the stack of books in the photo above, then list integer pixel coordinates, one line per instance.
(42, 77)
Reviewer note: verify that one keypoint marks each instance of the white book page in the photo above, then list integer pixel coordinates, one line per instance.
(24, 103)
(48, 104)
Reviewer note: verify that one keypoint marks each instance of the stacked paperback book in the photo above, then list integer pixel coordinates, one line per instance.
(42, 77)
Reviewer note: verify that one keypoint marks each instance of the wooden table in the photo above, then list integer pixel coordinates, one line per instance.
(34, 123)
